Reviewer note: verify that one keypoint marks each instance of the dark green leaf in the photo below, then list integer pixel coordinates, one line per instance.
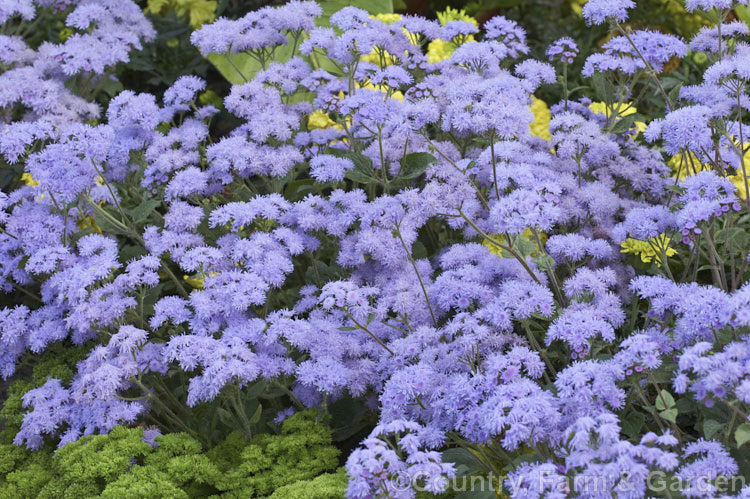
(674, 93)
(742, 434)
(624, 124)
(711, 428)
(418, 250)
(298, 189)
(413, 165)
(105, 224)
(460, 456)
(349, 417)
(140, 213)
(478, 488)
(362, 173)
(603, 89)
(632, 424)
(255, 418)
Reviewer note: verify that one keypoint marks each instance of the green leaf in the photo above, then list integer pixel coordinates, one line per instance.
(418, 250)
(105, 224)
(669, 415)
(254, 390)
(349, 417)
(664, 398)
(480, 488)
(706, 267)
(348, 328)
(711, 427)
(240, 68)
(743, 13)
(463, 457)
(603, 89)
(624, 124)
(140, 213)
(255, 418)
(330, 7)
(298, 189)
(631, 425)
(362, 173)
(674, 93)
(226, 417)
(413, 165)
(742, 434)
(686, 405)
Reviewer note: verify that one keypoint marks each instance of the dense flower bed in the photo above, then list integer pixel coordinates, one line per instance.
(395, 240)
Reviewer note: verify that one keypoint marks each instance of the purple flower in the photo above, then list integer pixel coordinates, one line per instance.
(599, 11)
(564, 49)
(327, 168)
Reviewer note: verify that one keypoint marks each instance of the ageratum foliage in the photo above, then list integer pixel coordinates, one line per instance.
(382, 237)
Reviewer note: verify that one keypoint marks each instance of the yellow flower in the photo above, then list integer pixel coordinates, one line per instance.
(439, 50)
(387, 18)
(65, 33)
(625, 109)
(451, 14)
(381, 57)
(88, 222)
(196, 280)
(577, 6)
(648, 251)
(527, 237)
(27, 179)
(197, 12)
(210, 97)
(383, 88)
(320, 119)
(157, 6)
(542, 116)
(683, 165)
(739, 183)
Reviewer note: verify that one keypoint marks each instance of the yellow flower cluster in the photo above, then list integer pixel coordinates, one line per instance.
(439, 50)
(198, 12)
(88, 222)
(624, 109)
(320, 120)
(527, 238)
(648, 251)
(27, 179)
(684, 165)
(196, 280)
(542, 117)
(379, 56)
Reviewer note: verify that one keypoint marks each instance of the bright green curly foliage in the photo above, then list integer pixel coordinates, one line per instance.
(57, 363)
(326, 486)
(301, 452)
(24, 473)
(121, 465)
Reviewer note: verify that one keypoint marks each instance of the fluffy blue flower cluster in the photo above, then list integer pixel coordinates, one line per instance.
(385, 228)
